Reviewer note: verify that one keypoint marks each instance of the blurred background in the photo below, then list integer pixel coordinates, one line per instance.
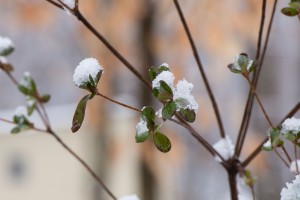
(49, 44)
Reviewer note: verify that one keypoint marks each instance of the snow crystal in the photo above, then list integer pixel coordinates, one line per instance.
(292, 190)
(159, 113)
(183, 97)
(291, 125)
(225, 148)
(3, 60)
(165, 76)
(267, 144)
(21, 111)
(129, 197)
(5, 43)
(165, 65)
(69, 3)
(88, 66)
(141, 127)
(293, 166)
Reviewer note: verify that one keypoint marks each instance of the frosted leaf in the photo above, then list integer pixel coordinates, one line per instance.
(129, 197)
(88, 66)
(291, 125)
(183, 97)
(69, 3)
(224, 147)
(141, 127)
(293, 166)
(25, 81)
(292, 190)
(5, 44)
(165, 76)
(3, 60)
(21, 111)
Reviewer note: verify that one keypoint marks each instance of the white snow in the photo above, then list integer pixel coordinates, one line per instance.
(24, 82)
(159, 113)
(292, 190)
(268, 144)
(236, 64)
(293, 166)
(21, 111)
(291, 125)
(129, 197)
(5, 43)
(88, 66)
(141, 127)
(69, 3)
(165, 65)
(225, 148)
(3, 60)
(165, 76)
(183, 97)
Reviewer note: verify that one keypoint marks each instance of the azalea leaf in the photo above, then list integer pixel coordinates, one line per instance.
(79, 114)
(162, 142)
(169, 110)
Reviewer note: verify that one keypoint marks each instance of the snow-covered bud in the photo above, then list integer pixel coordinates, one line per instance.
(21, 111)
(142, 131)
(183, 97)
(6, 46)
(87, 74)
(242, 64)
(225, 148)
(291, 125)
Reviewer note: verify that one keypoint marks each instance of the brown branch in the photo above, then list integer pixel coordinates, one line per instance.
(86, 166)
(248, 109)
(258, 149)
(200, 139)
(119, 103)
(261, 29)
(200, 66)
(281, 158)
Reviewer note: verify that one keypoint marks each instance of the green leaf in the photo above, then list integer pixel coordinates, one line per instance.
(248, 178)
(162, 142)
(267, 148)
(274, 134)
(79, 114)
(45, 98)
(31, 108)
(232, 69)
(288, 11)
(169, 110)
(142, 137)
(15, 130)
(148, 113)
(295, 5)
(164, 92)
(187, 114)
(7, 51)
(162, 68)
(152, 73)
(23, 89)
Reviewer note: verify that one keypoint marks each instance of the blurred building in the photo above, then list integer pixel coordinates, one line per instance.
(49, 43)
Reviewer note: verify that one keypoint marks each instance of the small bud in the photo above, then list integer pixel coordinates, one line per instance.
(242, 64)
(6, 46)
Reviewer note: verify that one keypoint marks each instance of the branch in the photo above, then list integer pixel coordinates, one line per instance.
(119, 103)
(200, 66)
(248, 109)
(88, 168)
(200, 139)
(258, 149)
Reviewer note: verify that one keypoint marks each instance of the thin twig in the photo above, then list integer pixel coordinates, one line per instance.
(87, 167)
(119, 103)
(248, 109)
(66, 147)
(281, 158)
(200, 66)
(261, 29)
(258, 149)
(259, 101)
(200, 139)
(286, 153)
